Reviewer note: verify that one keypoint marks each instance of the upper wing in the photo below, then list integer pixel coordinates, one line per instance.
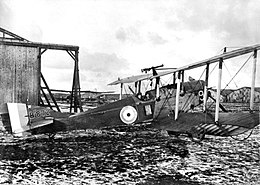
(131, 79)
(224, 56)
(211, 60)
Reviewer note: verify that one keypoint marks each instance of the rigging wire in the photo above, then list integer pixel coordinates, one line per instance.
(230, 75)
(166, 100)
(234, 76)
(238, 71)
(127, 94)
(193, 88)
(217, 63)
(167, 96)
(163, 104)
(213, 68)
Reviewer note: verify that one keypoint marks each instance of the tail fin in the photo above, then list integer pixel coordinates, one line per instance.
(18, 117)
(25, 119)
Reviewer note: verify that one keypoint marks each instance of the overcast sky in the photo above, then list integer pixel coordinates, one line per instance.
(119, 37)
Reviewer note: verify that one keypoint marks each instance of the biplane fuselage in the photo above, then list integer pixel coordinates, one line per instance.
(135, 110)
(132, 110)
(180, 107)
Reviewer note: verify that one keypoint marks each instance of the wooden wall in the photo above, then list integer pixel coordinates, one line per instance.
(19, 74)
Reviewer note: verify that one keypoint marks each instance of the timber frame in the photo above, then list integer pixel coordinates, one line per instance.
(11, 39)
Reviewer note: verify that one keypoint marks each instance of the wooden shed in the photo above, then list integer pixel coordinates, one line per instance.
(19, 74)
(21, 80)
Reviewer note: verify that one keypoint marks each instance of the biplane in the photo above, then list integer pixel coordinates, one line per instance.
(179, 107)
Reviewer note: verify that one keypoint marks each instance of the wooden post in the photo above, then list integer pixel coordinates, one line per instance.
(50, 93)
(206, 88)
(39, 74)
(46, 98)
(77, 97)
(253, 81)
(72, 92)
(177, 95)
(75, 92)
(218, 90)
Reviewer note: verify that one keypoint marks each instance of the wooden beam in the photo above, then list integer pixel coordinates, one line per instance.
(12, 35)
(52, 97)
(42, 45)
(46, 98)
(75, 92)
(68, 91)
(72, 93)
(252, 96)
(39, 59)
(43, 51)
(78, 82)
(9, 39)
(71, 55)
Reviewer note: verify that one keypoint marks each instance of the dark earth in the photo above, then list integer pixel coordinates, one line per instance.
(129, 155)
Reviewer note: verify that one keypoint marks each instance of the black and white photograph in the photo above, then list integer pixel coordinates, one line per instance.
(129, 92)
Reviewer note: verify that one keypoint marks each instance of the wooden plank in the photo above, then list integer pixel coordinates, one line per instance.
(2, 48)
(12, 35)
(22, 87)
(33, 70)
(52, 97)
(9, 75)
(18, 82)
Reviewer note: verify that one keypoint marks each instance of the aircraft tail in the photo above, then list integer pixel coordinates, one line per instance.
(18, 117)
(24, 119)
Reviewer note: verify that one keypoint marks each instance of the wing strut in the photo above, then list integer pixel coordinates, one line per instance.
(206, 89)
(121, 91)
(218, 89)
(253, 82)
(178, 94)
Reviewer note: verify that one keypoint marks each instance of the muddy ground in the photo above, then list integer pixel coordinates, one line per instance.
(135, 155)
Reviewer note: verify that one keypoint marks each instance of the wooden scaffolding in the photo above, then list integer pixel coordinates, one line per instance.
(8, 38)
